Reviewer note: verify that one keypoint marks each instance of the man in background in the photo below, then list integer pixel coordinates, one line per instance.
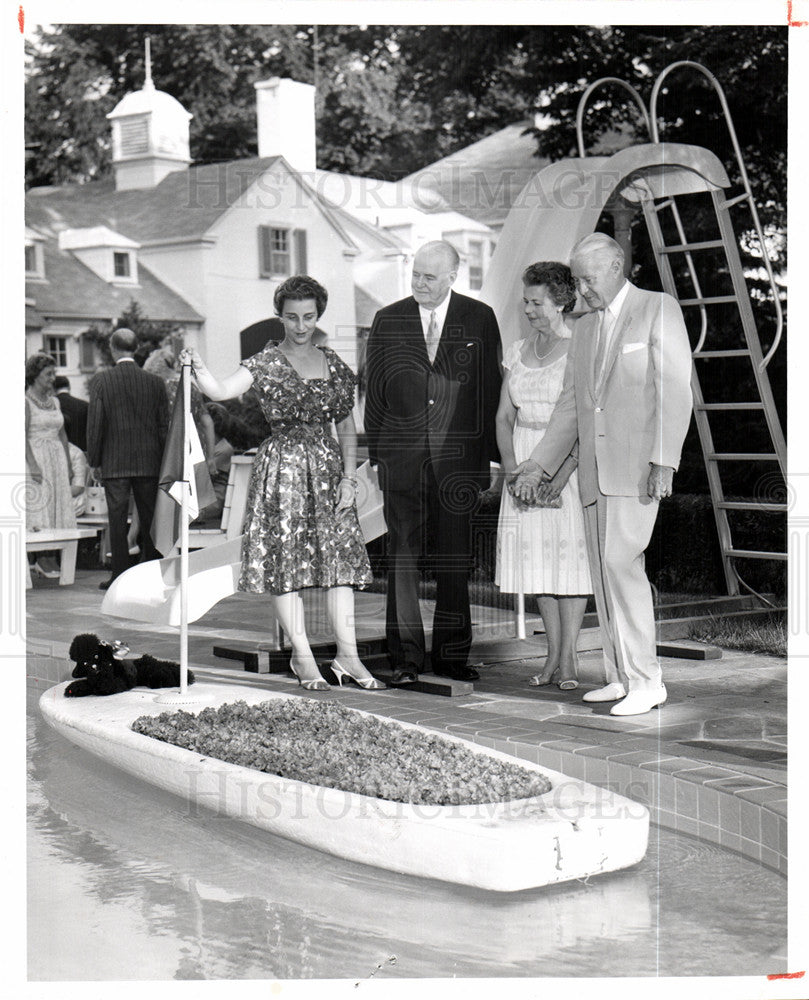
(74, 410)
(126, 432)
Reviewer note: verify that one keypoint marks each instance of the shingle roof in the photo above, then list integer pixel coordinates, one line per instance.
(72, 289)
(186, 203)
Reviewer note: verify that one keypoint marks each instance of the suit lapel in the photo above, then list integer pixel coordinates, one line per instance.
(450, 329)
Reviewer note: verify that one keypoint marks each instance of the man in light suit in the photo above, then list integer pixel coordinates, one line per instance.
(627, 399)
(126, 431)
(433, 384)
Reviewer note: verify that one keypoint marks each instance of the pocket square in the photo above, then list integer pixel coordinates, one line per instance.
(629, 348)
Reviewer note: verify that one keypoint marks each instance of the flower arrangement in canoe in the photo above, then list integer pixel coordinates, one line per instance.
(326, 744)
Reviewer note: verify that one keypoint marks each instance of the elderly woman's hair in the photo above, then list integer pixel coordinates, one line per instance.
(298, 288)
(35, 364)
(556, 278)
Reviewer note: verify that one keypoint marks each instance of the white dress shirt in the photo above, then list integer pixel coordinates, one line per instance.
(440, 316)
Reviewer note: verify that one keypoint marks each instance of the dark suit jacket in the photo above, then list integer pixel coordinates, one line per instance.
(444, 414)
(74, 411)
(127, 422)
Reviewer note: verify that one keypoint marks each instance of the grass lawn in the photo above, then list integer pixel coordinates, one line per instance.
(759, 635)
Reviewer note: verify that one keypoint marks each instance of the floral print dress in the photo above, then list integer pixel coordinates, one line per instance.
(293, 537)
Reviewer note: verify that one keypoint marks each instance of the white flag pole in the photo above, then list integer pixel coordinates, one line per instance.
(520, 596)
(187, 473)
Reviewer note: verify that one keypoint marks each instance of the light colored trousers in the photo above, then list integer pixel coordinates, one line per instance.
(618, 530)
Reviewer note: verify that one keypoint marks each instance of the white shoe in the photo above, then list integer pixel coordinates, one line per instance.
(612, 692)
(640, 702)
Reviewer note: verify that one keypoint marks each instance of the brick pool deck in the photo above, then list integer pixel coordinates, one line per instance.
(711, 762)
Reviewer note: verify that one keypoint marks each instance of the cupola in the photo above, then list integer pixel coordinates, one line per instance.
(149, 135)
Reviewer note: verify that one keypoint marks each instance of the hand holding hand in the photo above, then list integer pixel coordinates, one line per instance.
(660, 482)
(524, 481)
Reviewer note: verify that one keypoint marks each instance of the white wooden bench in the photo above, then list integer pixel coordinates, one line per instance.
(230, 525)
(63, 540)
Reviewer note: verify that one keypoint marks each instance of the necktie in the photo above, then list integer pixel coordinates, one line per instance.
(433, 336)
(601, 348)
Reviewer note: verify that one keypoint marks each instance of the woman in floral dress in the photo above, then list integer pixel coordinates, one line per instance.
(301, 527)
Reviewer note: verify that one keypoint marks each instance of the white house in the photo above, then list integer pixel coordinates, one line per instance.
(205, 246)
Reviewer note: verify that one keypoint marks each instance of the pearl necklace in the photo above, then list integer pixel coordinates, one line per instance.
(45, 403)
(537, 355)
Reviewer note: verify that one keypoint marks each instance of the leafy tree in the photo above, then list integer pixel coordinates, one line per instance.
(149, 333)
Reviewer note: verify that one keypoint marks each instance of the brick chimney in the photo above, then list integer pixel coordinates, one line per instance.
(285, 110)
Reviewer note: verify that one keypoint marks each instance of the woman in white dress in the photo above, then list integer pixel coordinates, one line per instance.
(541, 549)
(49, 497)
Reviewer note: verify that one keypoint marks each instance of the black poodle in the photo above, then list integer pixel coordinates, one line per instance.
(103, 672)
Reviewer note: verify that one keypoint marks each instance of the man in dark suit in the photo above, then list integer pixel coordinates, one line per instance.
(74, 410)
(126, 431)
(433, 387)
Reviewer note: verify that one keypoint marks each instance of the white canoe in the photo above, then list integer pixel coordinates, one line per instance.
(573, 831)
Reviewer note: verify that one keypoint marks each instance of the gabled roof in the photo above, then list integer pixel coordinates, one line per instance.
(71, 289)
(184, 205)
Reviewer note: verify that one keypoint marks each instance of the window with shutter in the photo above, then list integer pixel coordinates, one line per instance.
(275, 252)
(57, 348)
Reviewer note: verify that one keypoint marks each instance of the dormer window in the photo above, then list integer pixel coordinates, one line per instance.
(34, 263)
(121, 264)
(112, 256)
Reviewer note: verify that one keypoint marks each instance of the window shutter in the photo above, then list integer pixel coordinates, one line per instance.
(264, 252)
(87, 357)
(301, 266)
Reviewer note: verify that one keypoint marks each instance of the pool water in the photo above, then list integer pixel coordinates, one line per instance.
(127, 882)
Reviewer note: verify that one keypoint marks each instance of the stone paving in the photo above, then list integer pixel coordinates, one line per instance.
(711, 762)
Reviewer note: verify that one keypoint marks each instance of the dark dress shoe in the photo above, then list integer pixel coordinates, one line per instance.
(105, 584)
(458, 673)
(404, 675)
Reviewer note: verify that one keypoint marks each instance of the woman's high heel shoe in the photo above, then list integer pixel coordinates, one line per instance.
(49, 574)
(313, 683)
(366, 683)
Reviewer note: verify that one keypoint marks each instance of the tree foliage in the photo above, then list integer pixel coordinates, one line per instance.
(394, 98)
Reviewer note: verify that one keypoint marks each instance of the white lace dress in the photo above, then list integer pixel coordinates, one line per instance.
(540, 550)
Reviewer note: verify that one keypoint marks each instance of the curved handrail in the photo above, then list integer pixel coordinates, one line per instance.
(654, 131)
(583, 101)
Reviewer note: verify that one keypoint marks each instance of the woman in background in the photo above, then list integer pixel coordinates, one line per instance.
(46, 456)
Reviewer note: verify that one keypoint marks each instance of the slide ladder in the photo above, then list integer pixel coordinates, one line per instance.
(663, 213)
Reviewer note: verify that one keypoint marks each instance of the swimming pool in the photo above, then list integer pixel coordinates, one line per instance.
(129, 882)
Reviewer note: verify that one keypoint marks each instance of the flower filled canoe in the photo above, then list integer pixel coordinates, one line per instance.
(572, 830)
(323, 743)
